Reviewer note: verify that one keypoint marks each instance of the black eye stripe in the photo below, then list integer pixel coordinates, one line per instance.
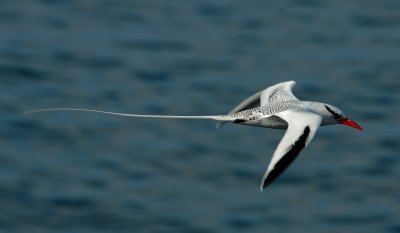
(335, 115)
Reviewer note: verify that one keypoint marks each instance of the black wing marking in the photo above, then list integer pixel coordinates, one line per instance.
(288, 158)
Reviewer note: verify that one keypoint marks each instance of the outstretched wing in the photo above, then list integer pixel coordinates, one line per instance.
(278, 92)
(251, 102)
(301, 130)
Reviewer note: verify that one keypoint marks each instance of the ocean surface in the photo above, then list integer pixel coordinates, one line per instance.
(86, 172)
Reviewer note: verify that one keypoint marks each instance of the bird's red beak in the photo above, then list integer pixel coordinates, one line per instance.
(350, 123)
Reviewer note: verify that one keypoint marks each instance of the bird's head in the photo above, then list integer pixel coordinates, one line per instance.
(333, 115)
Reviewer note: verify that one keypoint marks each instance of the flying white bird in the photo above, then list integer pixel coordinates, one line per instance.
(274, 107)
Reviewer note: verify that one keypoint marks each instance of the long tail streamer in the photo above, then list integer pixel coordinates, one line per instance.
(212, 117)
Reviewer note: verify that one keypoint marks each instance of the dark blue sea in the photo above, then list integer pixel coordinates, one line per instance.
(64, 172)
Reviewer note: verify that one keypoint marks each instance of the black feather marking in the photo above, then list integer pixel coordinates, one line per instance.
(239, 121)
(288, 158)
(335, 115)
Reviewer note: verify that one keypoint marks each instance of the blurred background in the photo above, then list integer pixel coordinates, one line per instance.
(87, 172)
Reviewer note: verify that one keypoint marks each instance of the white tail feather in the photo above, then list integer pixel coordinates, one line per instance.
(213, 117)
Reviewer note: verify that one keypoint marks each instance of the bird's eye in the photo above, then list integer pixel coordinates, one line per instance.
(335, 115)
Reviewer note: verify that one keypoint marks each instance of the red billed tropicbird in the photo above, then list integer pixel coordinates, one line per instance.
(274, 107)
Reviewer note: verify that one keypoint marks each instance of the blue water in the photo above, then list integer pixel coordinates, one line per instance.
(85, 172)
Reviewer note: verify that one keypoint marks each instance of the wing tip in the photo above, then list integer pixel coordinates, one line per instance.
(291, 83)
(264, 183)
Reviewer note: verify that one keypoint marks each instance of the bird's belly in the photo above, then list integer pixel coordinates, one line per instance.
(268, 122)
